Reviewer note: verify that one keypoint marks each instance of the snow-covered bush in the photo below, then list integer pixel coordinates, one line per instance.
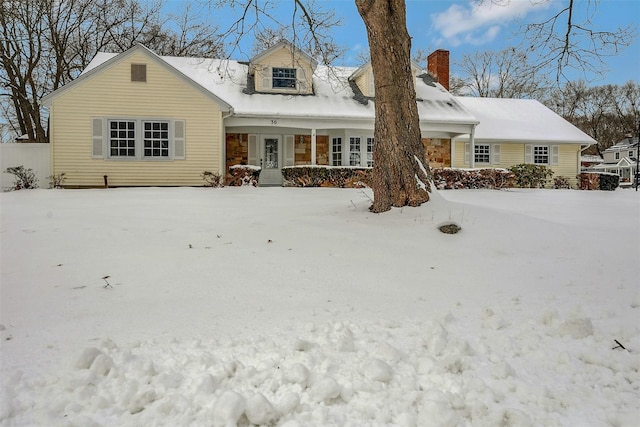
(326, 176)
(561, 182)
(24, 178)
(598, 181)
(212, 179)
(528, 175)
(57, 180)
(450, 178)
(240, 175)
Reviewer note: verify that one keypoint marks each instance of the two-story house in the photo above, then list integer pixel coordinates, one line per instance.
(620, 159)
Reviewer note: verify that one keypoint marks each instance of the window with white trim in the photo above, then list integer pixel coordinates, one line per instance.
(156, 139)
(541, 154)
(370, 152)
(138, 139)
(283, 78)
(336, 151)
(482, 153)
(618, 155)
(122, 138)
(354, 151)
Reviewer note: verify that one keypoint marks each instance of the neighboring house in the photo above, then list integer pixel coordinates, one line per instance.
(620, 159)
(142, 119)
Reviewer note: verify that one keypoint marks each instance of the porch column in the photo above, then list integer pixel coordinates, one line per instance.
(313, 146)
(472, 148)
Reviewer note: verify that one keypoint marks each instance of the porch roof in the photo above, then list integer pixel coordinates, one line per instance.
(623, 163)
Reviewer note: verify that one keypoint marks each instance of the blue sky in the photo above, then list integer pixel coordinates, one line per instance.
(466, 26)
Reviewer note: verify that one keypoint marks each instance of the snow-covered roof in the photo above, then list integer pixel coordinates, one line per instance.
(624, 162)
(591, 158)
(333, 98)
(623, 145)
(514, 120)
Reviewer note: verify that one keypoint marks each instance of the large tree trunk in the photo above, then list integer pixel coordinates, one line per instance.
(400, 172)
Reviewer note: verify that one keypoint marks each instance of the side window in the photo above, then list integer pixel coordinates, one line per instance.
(122, 138)
(354, 151)
(541, 154)
(482, 153)
(336, 151)
(370, 152)
(137, 139)
(155, 139)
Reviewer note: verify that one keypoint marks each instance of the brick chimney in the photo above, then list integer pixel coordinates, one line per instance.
(438, 66)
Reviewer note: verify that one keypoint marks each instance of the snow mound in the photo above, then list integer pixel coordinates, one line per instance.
(425, 373)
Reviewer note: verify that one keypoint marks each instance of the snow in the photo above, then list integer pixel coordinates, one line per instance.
(298, 307)
(333, 97)
(516, 120)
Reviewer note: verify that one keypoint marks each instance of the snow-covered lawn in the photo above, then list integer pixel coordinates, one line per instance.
(298, 307)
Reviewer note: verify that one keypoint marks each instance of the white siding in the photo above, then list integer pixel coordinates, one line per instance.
(31, 156)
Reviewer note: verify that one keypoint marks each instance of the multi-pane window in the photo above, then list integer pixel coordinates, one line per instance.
(370, 152)
(122, 138)
(482, 153)
(156, 139)
(354, 151)
(284, 78)
(541, 154)
(336, 151)
(617, 155)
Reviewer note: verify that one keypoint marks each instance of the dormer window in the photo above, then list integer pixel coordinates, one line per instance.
(284, 78)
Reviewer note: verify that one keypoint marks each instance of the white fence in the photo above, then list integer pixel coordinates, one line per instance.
(31, 156)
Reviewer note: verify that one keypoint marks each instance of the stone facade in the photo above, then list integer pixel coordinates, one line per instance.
(438, 152)
(237, 150)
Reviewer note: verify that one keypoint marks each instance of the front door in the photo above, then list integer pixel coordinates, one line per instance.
(271, 151)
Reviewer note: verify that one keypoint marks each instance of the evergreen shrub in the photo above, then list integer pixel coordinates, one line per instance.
(326, 176)
(529, 175)
(609, 182)
(450, 179)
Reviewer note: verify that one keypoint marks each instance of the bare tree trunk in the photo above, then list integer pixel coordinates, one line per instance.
(400, 171)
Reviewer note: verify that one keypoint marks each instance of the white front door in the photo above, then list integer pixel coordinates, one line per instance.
(271, 158)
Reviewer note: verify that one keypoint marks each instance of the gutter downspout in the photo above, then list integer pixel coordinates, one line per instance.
(580, 155)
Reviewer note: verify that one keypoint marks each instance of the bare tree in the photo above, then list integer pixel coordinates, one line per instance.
(606, 113)
(565, 41)
(268, 37)
(309, 29)
(503, 74)
(22, 48)
(45, 44)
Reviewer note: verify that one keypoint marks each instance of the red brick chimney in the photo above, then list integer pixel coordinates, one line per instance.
(438, 66)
